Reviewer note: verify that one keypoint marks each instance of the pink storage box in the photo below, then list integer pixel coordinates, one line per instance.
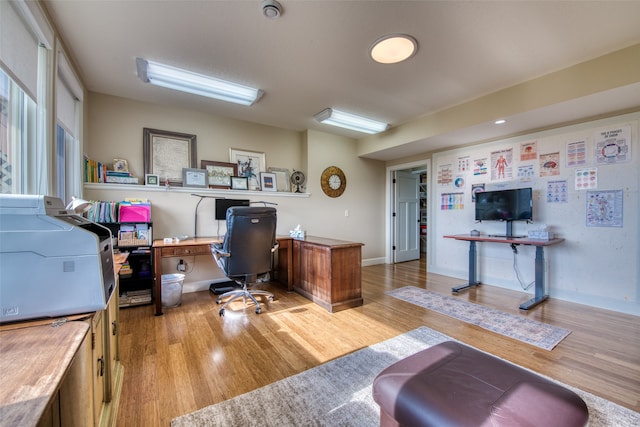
(135, 213)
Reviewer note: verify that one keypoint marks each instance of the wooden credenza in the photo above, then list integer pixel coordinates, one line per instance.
(328, 272)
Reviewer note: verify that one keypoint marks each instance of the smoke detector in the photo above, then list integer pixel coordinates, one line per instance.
(271, 9)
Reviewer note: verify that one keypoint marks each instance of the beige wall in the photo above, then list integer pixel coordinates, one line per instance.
(114, 130)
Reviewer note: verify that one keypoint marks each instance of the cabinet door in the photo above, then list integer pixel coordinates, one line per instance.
(76, 392)
(111, 343)
(99, 365)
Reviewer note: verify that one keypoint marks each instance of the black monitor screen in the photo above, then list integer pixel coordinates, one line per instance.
(223, 204)
(504, 205)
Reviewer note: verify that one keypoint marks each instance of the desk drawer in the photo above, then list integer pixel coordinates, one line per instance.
(186, 250)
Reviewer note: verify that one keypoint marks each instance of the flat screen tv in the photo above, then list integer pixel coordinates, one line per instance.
(505, 205)
(223, 204)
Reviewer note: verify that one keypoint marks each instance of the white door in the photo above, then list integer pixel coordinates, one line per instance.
(407, 218)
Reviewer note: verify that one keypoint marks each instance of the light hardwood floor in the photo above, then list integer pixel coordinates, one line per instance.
(190, 358)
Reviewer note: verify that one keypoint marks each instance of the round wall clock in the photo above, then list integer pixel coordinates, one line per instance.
(333, 181)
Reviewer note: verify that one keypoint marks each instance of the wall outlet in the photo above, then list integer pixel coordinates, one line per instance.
(182, 266)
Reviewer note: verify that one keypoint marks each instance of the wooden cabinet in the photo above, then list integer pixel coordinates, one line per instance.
(67, 375)
(328, 272)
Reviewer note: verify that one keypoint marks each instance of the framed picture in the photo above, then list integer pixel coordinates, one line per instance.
(167, 153)
(239, 183)
(268, 181)
(194, 177)
(120, 165)
(219, 173)
(282, 178)
(152, 179)
(250, 164)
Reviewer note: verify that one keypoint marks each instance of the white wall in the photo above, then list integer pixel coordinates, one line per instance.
(597, 266)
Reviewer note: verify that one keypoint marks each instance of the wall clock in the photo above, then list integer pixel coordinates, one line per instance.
(333, 181)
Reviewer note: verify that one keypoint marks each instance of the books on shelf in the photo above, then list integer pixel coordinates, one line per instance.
(103, 212)
(135, 297)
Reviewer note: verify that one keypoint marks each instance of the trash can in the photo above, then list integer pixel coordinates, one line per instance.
(172, 290)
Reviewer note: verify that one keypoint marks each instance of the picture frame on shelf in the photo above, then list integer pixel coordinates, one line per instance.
(268, 181)
(166, 153)
(219, 173)
(282, 178)
(152, 180)
(120, 165)
(239, 183)
(250, 164)
(192, 177)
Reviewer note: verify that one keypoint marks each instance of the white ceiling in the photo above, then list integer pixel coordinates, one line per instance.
(316, 55)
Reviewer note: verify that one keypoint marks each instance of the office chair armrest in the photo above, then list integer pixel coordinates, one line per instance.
(218, 252)
(275, 247)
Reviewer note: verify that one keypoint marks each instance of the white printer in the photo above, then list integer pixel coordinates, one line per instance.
(52, 262)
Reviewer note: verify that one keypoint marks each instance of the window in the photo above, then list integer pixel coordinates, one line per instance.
(25, 44)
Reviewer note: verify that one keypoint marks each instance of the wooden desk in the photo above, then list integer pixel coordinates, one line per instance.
(540, 290)
(328, 272)
(202, 246)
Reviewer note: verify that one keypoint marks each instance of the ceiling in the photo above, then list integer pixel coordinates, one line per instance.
(316, 56)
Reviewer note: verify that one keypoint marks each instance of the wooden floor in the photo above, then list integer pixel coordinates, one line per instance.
(190, 358)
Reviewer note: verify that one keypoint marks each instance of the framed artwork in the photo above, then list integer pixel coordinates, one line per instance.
(152, 179)
(250, 164)
(239, 183)
(282, 178)
(120, 165)
(268, 181)
(167, 153)
(192, 177)
(219, 173)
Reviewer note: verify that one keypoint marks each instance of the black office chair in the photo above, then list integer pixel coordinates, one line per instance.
(246, 252)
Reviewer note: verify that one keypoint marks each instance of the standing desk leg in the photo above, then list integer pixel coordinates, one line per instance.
(157, 278)
(540, 285)
(473, 282)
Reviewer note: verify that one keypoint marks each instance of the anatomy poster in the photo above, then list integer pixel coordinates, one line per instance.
(526, 173)
(586, 179)
(480, 166)
(604, 208)
(451, 201)
(613, 146)
(550, 164)
(475, 189)
(464, 164)
(576, 153)
(528, 150)
(445, 174)
(501, 164)
(557, 192)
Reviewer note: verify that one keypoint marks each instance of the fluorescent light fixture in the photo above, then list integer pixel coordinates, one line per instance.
(500, 121)
(393, 48)
(341, 119)
(197, 84)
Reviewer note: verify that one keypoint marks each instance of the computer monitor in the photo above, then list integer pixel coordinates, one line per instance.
(223, 204)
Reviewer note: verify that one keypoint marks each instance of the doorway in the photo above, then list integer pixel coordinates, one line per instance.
(407, 212)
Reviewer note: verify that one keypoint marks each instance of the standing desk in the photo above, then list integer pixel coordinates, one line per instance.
(540, 291)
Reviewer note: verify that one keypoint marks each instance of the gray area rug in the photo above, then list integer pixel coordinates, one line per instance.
(513, 326)
(338, 393)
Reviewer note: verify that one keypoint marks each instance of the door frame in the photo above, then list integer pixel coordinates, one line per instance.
(389, 206)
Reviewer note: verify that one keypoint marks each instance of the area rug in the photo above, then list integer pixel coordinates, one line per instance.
(511, 325)
(338, 393)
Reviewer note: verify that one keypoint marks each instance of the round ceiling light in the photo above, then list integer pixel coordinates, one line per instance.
(393, 48)
(271, 9)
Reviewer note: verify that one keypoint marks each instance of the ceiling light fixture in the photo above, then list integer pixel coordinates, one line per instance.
(197, 84)
(393, 48)
(500, 121)
(341, 119)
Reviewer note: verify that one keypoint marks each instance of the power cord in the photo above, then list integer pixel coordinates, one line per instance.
(182, 266)
(517, 269)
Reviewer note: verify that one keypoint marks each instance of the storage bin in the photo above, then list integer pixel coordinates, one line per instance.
(172, 290)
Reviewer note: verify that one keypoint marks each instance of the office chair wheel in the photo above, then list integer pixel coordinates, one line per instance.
(221, 312)
(258, 310)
